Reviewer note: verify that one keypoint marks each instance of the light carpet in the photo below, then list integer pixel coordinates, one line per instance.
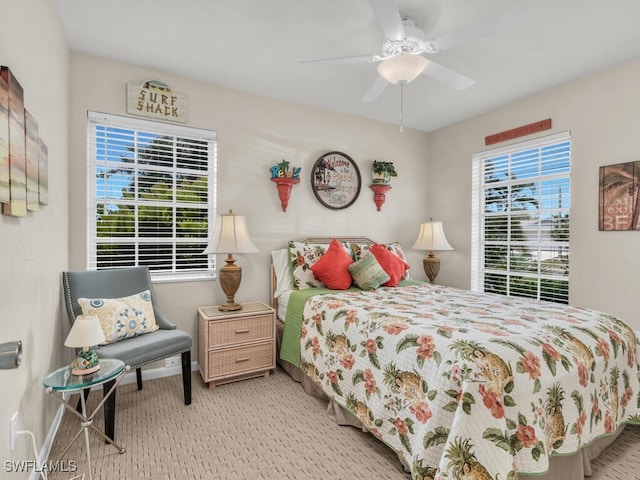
(263, 428)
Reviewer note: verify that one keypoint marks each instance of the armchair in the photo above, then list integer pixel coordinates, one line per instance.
(136, 351)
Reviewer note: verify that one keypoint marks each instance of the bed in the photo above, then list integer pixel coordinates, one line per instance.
(459, 384)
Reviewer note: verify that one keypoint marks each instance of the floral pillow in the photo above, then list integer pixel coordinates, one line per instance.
(359, 250)
(301, 256)
(122, 318)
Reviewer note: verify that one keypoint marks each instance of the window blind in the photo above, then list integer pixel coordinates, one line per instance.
(520, 233)
(151, 191)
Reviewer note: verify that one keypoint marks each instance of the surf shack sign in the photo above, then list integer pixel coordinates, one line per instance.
(156, 99)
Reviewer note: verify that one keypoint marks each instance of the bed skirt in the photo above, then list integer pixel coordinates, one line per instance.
(573, 467)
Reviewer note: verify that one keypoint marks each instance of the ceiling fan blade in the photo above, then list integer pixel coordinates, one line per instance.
(343, 60)
(388, 17)
(376, 89)
(447, 76)
(475, 31)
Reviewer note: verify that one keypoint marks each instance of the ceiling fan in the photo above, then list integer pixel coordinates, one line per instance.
(401, 58)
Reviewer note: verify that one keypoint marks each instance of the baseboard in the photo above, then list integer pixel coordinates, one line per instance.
(153, 373)
(150, 374)
(48, 442)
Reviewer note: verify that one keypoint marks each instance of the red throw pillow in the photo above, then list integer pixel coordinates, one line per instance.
(391, 263)
(332, 269)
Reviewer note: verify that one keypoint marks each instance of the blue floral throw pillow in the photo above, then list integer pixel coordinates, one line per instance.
(122, 318)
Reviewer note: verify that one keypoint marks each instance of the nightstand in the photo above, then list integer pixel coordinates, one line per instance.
(236, 345)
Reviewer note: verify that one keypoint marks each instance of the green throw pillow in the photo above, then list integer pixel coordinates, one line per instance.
(368, 273)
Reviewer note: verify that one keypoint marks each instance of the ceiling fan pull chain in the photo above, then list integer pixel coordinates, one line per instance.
(401, 105)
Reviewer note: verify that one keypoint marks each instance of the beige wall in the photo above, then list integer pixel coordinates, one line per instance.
(602, 113)
(255, 133)
(34, 250)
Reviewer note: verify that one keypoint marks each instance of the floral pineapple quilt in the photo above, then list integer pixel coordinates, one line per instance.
(466, 385)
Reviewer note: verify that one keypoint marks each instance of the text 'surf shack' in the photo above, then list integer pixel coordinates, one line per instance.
(155, 99)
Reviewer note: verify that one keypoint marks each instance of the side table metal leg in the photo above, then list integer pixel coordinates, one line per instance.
(85, 426)
(86, 397)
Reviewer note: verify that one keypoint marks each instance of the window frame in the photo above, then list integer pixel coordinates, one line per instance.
(174, 274)
(479, 215)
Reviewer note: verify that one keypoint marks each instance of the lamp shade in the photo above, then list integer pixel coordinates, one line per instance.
(230, 235)
(432, 237)
(402, 68)
(85, 332)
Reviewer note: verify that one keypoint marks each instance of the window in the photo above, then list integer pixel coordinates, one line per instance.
(520, 214)
(151, 191)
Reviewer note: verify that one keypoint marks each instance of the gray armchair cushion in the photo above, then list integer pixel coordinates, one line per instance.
(137, 351)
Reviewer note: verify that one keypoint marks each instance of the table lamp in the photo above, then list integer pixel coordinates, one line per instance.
(85, 333)
(432, 238)
(230, 236)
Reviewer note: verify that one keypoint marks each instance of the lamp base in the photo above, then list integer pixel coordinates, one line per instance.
(431, 266)
(230, 307)
(230, 276)
(85, 371)
(85, 363)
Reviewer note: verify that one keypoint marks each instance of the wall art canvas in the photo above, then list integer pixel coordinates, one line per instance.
(17, 205)
(33, 158)
(619, 208)
(43, 173)
(4, 141)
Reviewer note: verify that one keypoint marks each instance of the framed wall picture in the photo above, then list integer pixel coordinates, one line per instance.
(619, 187)
(335, 180)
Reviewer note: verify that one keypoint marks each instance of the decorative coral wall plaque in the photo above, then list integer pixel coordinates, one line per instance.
(285, 178)
(534, 127)
(619, 198)
(379, 194)
(156, 100)
(335, 180)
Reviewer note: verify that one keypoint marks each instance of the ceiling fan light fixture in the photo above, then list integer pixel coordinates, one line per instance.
(402, 68)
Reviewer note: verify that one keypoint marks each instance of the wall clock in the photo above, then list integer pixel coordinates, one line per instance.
(335, 180)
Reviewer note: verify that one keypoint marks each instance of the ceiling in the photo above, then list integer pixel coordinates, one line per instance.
(256, 46)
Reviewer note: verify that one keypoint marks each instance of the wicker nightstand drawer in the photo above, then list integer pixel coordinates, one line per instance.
(236, 345)
(239, 360)
(229, 332)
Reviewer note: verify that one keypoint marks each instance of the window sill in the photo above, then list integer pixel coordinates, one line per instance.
(183, 278)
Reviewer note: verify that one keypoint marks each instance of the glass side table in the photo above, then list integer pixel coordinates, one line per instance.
(63, 381)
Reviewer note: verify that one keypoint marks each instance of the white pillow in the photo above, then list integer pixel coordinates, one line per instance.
(281, 268)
